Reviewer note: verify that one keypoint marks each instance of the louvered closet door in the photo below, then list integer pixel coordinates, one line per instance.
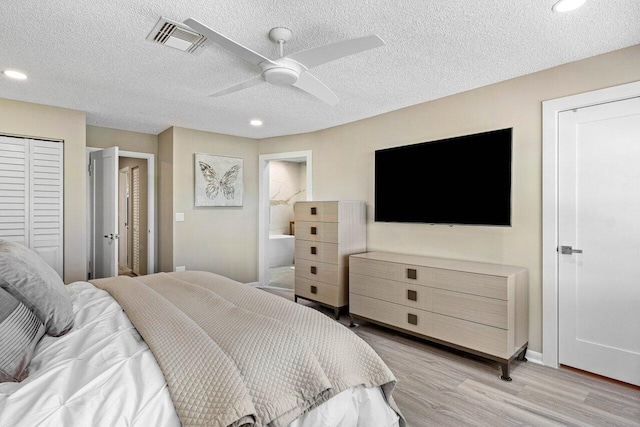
(46, 170)
(14, 190)
(31, 196)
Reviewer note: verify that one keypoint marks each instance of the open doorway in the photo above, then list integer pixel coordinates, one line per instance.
(134, 217)
(284, 179)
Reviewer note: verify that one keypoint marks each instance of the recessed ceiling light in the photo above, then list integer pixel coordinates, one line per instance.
(255, 122)
(13, 74)
(567, 5)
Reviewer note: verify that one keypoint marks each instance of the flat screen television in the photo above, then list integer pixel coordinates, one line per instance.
(461, 180)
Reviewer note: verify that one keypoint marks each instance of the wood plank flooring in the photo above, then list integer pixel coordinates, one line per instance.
(442, 387)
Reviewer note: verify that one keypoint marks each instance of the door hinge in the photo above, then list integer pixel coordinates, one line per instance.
(90, 169)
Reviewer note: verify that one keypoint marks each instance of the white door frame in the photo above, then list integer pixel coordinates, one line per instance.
(550, 122)
(152, 231)
(263, 204)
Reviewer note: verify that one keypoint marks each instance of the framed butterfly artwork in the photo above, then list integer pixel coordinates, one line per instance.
(218, 180)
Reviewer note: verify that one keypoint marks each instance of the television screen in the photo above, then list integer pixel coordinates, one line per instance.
(461, 180)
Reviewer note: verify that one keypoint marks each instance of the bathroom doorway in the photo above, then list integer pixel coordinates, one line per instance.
(285, 179)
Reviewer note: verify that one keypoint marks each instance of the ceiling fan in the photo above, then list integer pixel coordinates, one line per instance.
(293, 69)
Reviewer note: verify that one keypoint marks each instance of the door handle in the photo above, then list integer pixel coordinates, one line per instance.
(111, 236)
(568, 250)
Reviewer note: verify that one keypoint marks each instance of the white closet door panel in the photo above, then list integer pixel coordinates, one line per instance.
(46, 198)
(136, 220)
(14, 190)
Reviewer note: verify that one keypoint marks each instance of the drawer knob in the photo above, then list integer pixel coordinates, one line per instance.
(314, 290)
(412, 319)
(412, 273)
(314, 211)
(412, 295)
(314, 230)
(314, 250)
(314, 270)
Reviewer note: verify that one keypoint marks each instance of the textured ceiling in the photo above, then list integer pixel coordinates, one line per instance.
(94, 56)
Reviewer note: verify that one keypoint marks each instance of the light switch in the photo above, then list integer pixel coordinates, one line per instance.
(179, 216)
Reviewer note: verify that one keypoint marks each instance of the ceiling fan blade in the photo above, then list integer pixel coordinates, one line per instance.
(244, 85)
(234, 47)
(322, 54)
(310, 84)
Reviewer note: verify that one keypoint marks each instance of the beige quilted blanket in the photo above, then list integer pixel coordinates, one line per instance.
(234, 355)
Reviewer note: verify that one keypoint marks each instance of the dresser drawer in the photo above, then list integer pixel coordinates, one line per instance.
(317, 251)
(472, 335)
(487, 311)
(407, 318)
(319, 271)
(457, 281)
(316, 211)
(469, 283)
(322, 292)
(317, 231)
(385, 290)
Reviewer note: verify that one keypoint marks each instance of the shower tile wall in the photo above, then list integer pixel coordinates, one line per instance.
(287, 185)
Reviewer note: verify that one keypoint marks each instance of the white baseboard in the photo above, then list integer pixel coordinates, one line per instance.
(254, 284)
(534, 357)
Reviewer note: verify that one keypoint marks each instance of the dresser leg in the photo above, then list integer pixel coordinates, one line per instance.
(505, 372)
(295, 298)
(521, 357)
(352, 324)
(336, 312)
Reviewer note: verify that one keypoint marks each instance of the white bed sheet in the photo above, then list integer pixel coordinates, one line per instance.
(102, 373)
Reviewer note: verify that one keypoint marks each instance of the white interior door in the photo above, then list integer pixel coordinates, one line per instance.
(599, 215)
(104, 180)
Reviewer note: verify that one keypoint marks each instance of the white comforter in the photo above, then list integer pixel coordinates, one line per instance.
(103, 374)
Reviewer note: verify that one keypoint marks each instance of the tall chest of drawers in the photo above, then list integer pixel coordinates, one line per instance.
(327, 233)
(476, 307)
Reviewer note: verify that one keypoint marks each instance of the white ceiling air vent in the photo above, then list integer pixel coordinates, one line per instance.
(177, 36)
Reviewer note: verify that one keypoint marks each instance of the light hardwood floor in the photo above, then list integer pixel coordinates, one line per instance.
(442, 387)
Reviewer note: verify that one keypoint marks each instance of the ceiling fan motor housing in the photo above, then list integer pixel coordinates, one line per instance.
(280, 76)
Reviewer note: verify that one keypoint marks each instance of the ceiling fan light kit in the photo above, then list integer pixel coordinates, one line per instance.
(293, 69)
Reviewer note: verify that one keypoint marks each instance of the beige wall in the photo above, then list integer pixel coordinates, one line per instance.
(343, 162)
(100, 137)
(41, 121)
(165, 200)
(219, 239)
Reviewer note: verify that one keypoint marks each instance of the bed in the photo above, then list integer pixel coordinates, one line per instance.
(196, 348)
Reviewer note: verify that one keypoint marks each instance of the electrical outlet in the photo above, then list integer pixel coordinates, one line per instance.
(181, 268)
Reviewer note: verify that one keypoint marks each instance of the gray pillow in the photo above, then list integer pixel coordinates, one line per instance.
(20, 331)
(36, 284)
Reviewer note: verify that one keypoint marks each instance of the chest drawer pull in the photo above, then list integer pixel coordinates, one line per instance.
(314, 230)
(314, 250)
(412, 273)
(412, 319)
(412, 295)
(314, 289)
(314, 211)
(314, 269)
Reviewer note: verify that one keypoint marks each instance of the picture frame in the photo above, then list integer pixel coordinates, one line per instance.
(218, 180)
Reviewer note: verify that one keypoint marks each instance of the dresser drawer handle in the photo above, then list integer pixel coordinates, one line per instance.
(314, 211)
(412, 295)
(314, 250)
(412, 319)
(412, 273)
(314, 270)
(314, 230)
(314, 290)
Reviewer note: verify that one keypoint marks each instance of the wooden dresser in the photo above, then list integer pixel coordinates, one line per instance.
(479, 308)
(326, 234)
